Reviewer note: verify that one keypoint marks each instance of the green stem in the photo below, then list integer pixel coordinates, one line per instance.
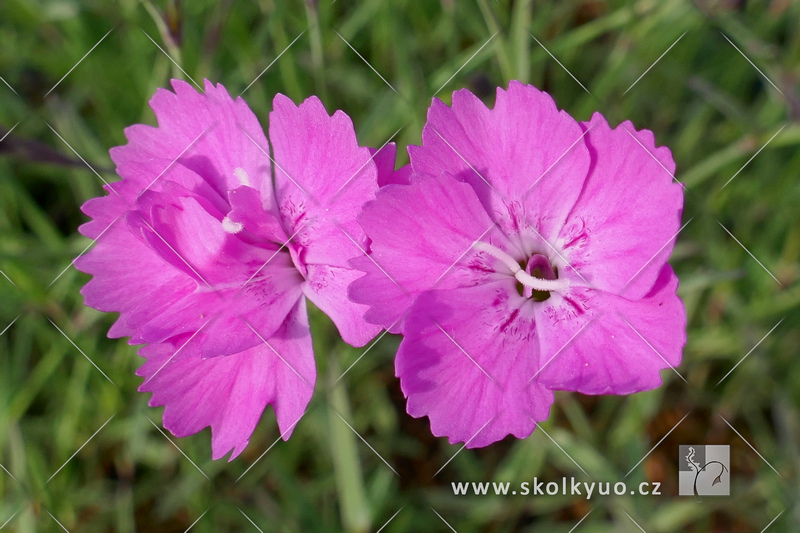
(287, 67)
(315, 35)
(520, 29)
(347, 468)
(172, 47)
(499, 44)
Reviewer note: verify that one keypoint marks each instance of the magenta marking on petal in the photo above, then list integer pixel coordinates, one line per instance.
(579, 309)
(575, 235)
(509, 321)
(500, 255)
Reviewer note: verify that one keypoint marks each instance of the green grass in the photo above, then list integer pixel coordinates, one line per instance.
(702, 99)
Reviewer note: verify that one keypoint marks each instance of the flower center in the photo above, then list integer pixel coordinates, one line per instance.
(538, 279)
(540, 268)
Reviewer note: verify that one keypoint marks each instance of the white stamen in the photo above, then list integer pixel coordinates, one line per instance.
(231, 227)
(539, 284)
(242, 176)
(523, 277)
(497, 253)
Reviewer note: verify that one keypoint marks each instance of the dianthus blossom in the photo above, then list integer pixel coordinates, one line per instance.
(523, 252)
(212, 241)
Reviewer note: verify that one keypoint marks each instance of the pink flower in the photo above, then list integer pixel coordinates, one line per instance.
(527, 254)
(208, 252)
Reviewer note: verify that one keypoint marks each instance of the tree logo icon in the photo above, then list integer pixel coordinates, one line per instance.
(704, 470)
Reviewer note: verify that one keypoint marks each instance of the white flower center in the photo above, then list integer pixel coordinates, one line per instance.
(523, 277)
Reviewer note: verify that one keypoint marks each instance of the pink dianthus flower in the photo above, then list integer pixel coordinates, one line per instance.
(522, 253)
(209, 246)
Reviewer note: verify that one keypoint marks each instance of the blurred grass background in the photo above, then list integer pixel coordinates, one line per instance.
(703, 99)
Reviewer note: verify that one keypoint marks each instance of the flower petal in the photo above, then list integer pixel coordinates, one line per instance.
(255, 223)
(524, 151)
(620, 231)
(327, 289)
(206, 142)
(224, 321)
(230, 393)
(212, 283)
(322, 180)
(130, 279)
(465, 361)
(384, 160)
(418, 234)
(387, 300)
(224, 135)
(619, 346)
